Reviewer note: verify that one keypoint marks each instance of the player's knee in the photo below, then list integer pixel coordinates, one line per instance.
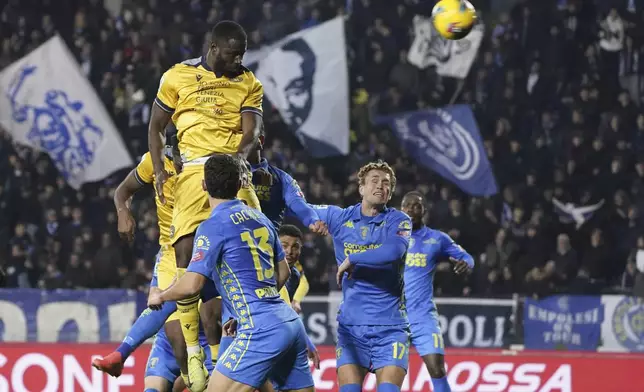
(183, 250)
(388, 387)
(350, 388)
(435, 365)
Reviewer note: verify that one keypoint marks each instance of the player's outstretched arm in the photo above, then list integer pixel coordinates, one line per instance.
(295, 201)
(156, 141)
(461, 260)
(187, 286)
(392, 249)
(251, 126)
(122, 199)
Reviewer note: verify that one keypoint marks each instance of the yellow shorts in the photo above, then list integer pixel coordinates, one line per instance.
(191, 201)
(166, 272)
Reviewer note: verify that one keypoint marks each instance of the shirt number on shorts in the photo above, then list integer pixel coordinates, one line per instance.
(399, 350)
(258, 242)
(438, 340)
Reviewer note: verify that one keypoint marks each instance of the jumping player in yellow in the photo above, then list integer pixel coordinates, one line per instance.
(149, 322)
(216, 105)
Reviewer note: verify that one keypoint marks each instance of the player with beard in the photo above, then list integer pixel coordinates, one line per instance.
(427, 247)
(216, 106)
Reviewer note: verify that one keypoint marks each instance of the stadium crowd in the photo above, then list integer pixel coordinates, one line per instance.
(556, 89)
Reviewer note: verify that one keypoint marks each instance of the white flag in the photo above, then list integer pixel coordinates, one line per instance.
(305, 77)
(451, 58)
(47, 104)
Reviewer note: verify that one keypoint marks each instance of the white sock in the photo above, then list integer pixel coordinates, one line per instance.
(194, 350)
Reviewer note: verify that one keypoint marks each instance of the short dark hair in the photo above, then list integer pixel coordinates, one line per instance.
(291, 231)
(222, 174)
(414, 193)
(227, 30)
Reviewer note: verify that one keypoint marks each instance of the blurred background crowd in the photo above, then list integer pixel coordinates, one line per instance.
(556, 88)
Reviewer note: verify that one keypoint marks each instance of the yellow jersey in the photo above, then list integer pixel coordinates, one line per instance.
(206, 107)
(144, 174)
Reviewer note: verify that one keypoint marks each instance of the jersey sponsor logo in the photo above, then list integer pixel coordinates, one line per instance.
(350, 248)
(202, 243)
(198, 77)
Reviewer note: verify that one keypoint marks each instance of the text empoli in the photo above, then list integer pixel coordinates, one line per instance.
(350, 248)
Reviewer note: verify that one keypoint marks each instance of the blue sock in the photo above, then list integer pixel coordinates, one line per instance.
(148, 324)
(388, 387)
(151, 390)
(351, 388)
(441, 384)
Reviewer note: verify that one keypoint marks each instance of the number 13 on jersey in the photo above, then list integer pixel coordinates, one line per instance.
(258, 243)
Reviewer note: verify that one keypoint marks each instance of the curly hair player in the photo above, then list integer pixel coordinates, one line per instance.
(370, 241)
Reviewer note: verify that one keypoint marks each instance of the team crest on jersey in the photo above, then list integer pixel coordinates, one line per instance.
(364, 231)
(153, 362)
(202, 243)
(171, 231)
(404, 229)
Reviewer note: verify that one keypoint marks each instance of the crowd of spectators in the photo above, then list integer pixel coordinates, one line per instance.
(556, 88)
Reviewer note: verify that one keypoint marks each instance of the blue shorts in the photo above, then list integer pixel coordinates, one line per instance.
(427, 337)
(161, 362)
(278, 354)
(224, 343)
(373, 346)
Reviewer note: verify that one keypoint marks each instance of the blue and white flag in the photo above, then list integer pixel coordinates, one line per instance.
(447, 141)
(305, 78)
(563, 322)
(571, 213)
(46, 103)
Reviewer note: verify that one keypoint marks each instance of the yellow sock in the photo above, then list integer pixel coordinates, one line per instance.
(214, 352)
(189, 316)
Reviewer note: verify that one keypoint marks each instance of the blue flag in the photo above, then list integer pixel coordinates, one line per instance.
(448, 142)
(563, 322)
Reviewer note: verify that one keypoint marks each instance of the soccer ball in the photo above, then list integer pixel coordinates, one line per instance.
(453, 19)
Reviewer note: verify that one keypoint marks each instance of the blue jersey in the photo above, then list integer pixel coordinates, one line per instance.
(284, 194)
(427, 247)
(376, 246)
(238, 248)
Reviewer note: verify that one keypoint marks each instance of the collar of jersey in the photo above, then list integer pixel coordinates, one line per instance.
(357, 215)
(263, 164)
(422, 230)
(225, 205)
(207, 67)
